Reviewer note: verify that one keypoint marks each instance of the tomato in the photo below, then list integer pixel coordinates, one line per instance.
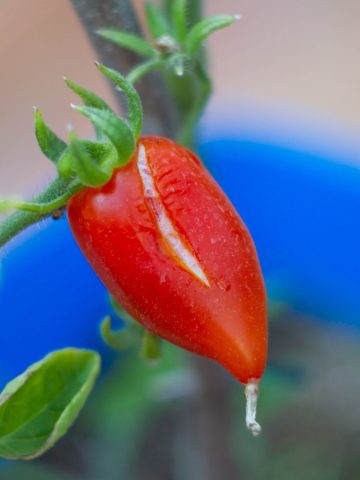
(172, 250)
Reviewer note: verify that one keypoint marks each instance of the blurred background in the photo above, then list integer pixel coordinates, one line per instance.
(282, 136)
(288, 70)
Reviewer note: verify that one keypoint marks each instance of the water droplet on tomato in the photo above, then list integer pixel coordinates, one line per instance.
(223, 285)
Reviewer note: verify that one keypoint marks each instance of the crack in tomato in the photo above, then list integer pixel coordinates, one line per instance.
(177, 247)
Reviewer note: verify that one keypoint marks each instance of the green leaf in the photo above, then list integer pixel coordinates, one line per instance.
(179, 19)
(151, 347)
(128, 40)
(204, 28)
(144, 68)
(50, 144)
(121, 339)
(38, 407)
(116, 130)
(156, 21)
(194, 12)
(135, 107)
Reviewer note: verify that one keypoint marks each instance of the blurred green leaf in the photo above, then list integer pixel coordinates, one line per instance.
(204, 28)
(116, 130)
(156, 21)
(178, 15)
(38, 407)
(144, 68)
(151, 347)
(127, 40)
(194, 11)
(121, 339)
(50, 144)
(127, 336)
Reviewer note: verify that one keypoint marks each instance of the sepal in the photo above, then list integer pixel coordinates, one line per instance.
(129, 41)
(114, 128)
(50, 144)
(134, 102)
(156, 21)
(86, 166)
(89, 98)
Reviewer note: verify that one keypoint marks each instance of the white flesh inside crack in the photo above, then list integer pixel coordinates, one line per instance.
(179, 250)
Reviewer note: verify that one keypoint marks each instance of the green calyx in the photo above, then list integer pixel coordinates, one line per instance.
(175, 50)
(86, 163)
(93, 162)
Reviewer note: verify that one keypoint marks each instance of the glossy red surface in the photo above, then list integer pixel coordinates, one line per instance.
(118, 229)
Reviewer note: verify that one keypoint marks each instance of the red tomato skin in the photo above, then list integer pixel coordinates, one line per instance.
(116, 228)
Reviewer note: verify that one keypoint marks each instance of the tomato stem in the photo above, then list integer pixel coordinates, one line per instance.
(54, 197)
(251, 394)
(42, 208)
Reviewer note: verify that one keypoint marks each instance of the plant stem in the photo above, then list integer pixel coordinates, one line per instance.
(17, 222)
(160, 116)
(186, 135)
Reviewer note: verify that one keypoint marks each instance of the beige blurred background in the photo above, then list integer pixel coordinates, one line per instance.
(288, 71)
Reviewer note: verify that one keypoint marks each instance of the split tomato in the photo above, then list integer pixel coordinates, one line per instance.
(172, 250)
